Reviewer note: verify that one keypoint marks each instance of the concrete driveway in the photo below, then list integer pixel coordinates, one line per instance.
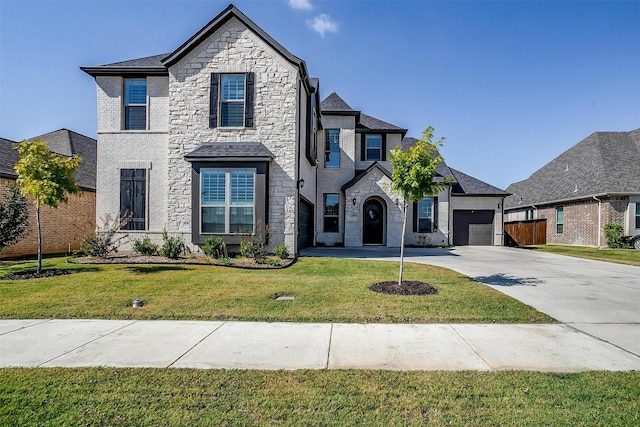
(599, 298)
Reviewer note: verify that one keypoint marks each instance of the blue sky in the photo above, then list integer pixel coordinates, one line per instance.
(510, 84)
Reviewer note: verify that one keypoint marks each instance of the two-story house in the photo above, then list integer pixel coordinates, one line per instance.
(226, 135)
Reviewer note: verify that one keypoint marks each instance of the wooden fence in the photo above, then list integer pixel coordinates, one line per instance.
(523, 233)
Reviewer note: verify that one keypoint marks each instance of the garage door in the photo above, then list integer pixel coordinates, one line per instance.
(473, 227)
(305, 225)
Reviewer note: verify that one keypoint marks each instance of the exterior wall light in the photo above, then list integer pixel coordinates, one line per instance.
(354, 201)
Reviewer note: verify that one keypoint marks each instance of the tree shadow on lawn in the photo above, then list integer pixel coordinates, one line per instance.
(153, 269)
(501, 279)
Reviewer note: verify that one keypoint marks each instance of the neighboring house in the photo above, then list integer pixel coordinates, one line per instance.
(226, 136)
(593, 183)
(64, 228)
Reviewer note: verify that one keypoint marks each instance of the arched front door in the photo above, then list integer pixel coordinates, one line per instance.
(373, 223)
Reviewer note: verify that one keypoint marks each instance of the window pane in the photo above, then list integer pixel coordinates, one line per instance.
(135, 92)
(373, 154)
(241, 220)
(374, 141)
(638, 215)
(232, 114)
(331, 204)
(213, 220)
(332, 148)
(213, 187)
(424, 225)
(232, 87)
(242, 188)
(135, 118)
(425, 207)
(331, 224)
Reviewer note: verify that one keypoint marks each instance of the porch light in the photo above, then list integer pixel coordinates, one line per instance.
(354, 201)
(301, 183)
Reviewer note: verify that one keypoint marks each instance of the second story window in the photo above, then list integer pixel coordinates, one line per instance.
(332, 148)
(135, 104)
(231, 100)
(373, 147)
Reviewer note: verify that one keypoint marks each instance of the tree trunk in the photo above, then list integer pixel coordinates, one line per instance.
(404, 227)
(39, 237)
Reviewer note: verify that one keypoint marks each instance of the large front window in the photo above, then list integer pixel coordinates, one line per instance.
(135, 104)
(227, 201)
(638, 215)
(425, 215)
(332, 148)
(232, 97)
(373, 147)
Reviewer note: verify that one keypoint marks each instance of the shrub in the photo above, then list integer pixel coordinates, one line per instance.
(145, 246)
(14, 217)
(613, 234)
(214, 247)
(106, 239)
(252, 247)
(281, 251)
(172, 247)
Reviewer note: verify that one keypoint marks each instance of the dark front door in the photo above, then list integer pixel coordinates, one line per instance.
(305, 225)
(373, 227)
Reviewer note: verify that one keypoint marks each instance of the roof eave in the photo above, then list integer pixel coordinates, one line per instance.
(192, 159)
(125, 71)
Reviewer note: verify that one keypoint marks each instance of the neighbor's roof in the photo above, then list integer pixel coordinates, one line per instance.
(604, 163)
(68, 143)
(8, 158)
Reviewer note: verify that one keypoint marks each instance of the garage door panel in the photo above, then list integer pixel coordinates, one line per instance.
(473, 227)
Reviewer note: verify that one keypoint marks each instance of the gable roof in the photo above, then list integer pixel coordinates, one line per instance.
(159, 64)
(604, 163)
(8, 158)
(362, 174)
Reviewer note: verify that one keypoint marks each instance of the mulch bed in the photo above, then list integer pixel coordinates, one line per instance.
(24, 275)
(408, 287)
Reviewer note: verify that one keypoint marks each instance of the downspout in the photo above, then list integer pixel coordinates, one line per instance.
(297, 179)
(599, 217)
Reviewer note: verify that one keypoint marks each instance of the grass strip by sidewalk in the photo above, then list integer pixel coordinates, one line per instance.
(179, 397)
(325, 290)
(619, 256)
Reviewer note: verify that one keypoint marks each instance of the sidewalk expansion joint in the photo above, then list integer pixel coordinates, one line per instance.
(326, 366)
(471, 347)
(196, 344)
(89, 342)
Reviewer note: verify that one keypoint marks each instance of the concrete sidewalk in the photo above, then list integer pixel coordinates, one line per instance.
(254, 345)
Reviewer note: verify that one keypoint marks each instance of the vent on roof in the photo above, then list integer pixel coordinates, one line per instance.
(575, 190)
(566, 168)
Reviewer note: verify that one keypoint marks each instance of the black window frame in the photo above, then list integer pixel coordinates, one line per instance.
(133, 199)
(331, 217)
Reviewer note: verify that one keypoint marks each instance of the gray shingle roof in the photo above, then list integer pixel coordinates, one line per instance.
(67, 143)
(362, 174)
(228, 151)
(371, 123)
(149, 65)
(334, 104)
(64, 142)
(8, 158)
(603, 163)
(443, 171)
(470, 186)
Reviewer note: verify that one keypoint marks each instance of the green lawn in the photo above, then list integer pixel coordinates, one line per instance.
(620, 256)
(179, 397)
(325, 290)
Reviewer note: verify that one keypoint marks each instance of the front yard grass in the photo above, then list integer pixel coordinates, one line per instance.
(325, 290)
(179, 397)
(620, 256)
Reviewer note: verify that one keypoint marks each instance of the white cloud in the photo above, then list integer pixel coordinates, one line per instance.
(300, 4)
(323, 24)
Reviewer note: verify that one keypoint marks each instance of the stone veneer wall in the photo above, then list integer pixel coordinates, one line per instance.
(235, 49)
(63, 229)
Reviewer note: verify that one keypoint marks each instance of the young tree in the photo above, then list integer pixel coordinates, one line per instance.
(413, 176)
(45, 176)
(14, 215)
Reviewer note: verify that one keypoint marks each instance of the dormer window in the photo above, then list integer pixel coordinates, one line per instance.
(135, 104)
